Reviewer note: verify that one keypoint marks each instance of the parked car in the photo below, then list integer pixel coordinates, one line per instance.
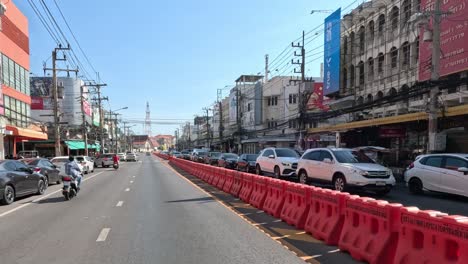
(60, 162)
(131, 156)
(17, 179)
(176, 154)
(280, 162)
(246, 162)
(193, 154)
(148, 153)
(186, 154)
(46, 168)
(87, 163)
(344, 169)
(228, 160)
(199, 156)
(122, 156)
(212, 158)
(104, 160)
(447, 173)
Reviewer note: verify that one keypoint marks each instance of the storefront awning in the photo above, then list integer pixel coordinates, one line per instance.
(26, 133)
(451, 111)
(79, 144)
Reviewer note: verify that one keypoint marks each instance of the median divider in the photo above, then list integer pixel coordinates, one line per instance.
(326, 215)
(370, 229)
(247, 187)
(259, 191)
(222, 177)
(296, 204)
(229, 181)
(431, 237)
(274, 199)
(237, 184)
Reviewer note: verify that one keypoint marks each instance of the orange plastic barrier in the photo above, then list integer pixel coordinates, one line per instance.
(247, 186)
(296, 204)
(210, 175)
(370, 230)
(259, 191)
(229, 181)
(215, 178)
(275, 197)
(326, 215)
(431, 237)
(222, 177)
(237, 184)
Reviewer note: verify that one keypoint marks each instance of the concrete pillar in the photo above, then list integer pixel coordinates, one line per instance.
(338, 139)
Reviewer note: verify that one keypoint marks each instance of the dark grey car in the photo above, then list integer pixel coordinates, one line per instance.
(17, 179)
(48, 169)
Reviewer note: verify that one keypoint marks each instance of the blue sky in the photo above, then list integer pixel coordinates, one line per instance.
(176, 54)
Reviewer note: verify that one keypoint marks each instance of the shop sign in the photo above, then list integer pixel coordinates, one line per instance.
(392, 132)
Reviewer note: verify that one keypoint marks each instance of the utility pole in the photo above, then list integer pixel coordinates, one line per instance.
(56, 113)
(101, 114)
(434, 92)
(83, 117)
(189, 136)
(207, 127)
(303, 97)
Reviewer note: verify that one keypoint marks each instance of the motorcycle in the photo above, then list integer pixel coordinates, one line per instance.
(116, 165)
(70, 187)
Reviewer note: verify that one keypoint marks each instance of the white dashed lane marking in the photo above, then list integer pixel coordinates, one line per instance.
(103, 235)
(119, 204)
(127, 190)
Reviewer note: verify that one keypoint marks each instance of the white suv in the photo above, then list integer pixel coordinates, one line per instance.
(446, 173)
(281, 162)
(344, 169)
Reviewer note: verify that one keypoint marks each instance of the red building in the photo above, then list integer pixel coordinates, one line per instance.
(15, 93)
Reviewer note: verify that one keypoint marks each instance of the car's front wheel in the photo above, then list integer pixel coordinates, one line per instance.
(8, 195)
(277, 172)
(415, 186)
(303, 178)
(339, 183)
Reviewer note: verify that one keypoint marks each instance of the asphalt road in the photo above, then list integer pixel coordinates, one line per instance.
(142, 213)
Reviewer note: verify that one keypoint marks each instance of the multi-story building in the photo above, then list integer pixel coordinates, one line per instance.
(70, 108)
(16, 123)
(384, 96)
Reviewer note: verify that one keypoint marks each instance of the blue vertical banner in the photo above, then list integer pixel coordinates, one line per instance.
(331, 58)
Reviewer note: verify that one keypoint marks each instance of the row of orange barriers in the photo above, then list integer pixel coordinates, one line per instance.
(371, 230)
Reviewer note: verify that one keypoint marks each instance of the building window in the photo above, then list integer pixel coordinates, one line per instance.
(371, 28)
(16, 111)
(273, 100)
(417, 4)
(352, 76)
(406, 11)
(394, 17)
(416, 51)
(272, 124)
(351, 42)
(361, 73)
(293, 99)
(394, 57)
(362, 39)
(345, 79)
(14, 76)
(380, 62)
(345, 46)
(405, 50)
(249, 107)
(369, 98)
(381, 24)
(370, 68)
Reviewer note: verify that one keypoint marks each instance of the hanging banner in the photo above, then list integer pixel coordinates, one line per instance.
(332, 53)
(453, 37)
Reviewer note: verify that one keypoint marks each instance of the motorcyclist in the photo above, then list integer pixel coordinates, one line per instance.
(116, 159)
(72, 169)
